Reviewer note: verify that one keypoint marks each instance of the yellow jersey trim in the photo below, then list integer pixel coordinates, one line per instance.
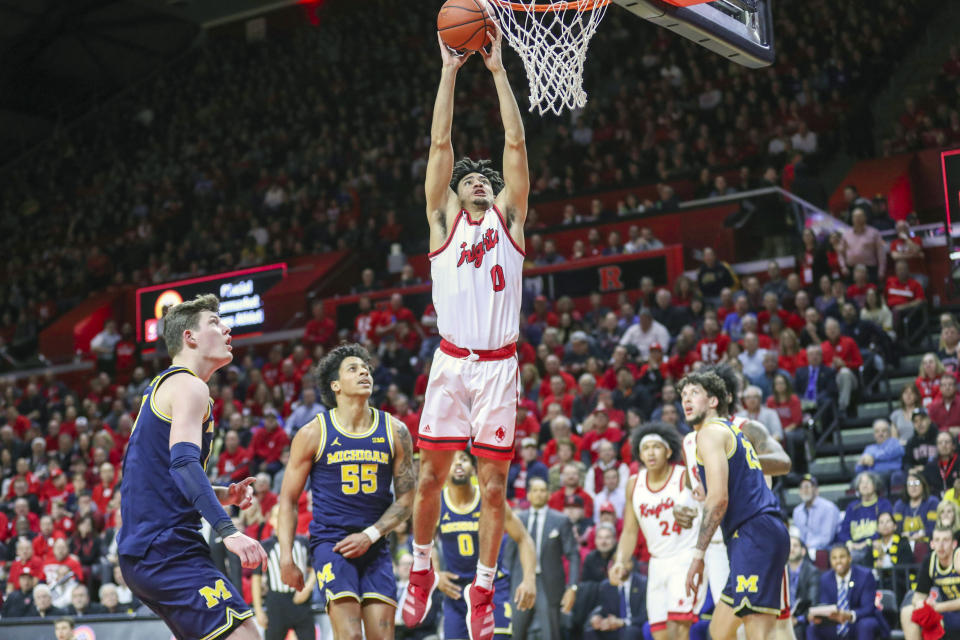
(390, 420)
(323, 437)
(232, 616)
(373, 426)
(331, 597)
(730, 429)
(745, 604)
(369, 595)
(153, 387)
(466, 510)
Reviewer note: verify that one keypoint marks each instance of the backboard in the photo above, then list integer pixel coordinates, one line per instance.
(739, 30)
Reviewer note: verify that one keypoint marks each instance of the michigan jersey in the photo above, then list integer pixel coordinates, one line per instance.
(476, 283)
(152, 501)
(460, 539)
(747, 488)
(350, 481)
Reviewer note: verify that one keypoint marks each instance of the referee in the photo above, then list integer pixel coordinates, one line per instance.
(288, 609)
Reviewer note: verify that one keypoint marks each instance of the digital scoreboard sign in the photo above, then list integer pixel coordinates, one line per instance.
(240, 292)
(950, 164)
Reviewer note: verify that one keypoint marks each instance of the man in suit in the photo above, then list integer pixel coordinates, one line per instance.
(853, 590)
(815, 384)
(621, 611)
(554, 540)
(804, 582)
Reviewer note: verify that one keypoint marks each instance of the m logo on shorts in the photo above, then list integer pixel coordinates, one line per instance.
(747, 583)
(213, 595)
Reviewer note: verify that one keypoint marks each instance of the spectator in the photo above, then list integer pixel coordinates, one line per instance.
(863, 245)
(320, 329)
(304, 411)
(853, 590)
(733, 322)
(713, 345)
(564, 456)
(921, 448)
(560, 430)
(80, 604)
(771, 369)
(942, 471)
(932, 590)
(43, 602)
(570, 487)
(884, 455)
(233, 463)
(19, 603)
(598, 428)
(609, 488)
(915, 512)
(902, 418)
(907, 245)
(24, 561)
(104, 346)
(110, 599)
(788, 408)
(268, 444)
(844, 356)
(713, 276)
(949, 343)
(903, 292)
(889, 550)
(928, 378)
(622, 609)
(875, 310)
(859, 526)
(804, 581)
(945, 410)
(854, 201)
(528, 467)
(948, 515)
(815, 518)
(753, 409)
(596, 563)
(752, 357)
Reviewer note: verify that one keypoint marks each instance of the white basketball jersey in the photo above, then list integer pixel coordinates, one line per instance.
(477, 277)
(690, 460)
(654, 511)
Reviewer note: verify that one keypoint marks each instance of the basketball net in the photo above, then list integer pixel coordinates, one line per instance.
(551, 39)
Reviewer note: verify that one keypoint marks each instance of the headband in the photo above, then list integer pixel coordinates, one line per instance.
(654, 437)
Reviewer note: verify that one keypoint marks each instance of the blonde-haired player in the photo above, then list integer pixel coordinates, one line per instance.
(653, 493)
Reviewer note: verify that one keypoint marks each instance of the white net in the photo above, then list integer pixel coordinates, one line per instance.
(553, 47)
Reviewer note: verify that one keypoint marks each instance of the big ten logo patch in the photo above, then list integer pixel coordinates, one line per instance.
(610, 278)
(747, 584)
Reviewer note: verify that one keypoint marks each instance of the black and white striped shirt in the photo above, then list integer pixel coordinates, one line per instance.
(300, 558)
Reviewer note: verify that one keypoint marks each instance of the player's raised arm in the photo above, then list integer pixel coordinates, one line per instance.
(189, 403)
(440, 160)
(512, 200)
(404, 484)
(628, 539)
(773, 459)
(302, 451)
(526, 595)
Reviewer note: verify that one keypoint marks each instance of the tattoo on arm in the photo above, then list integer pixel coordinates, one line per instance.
(759, 438)
(404, 482)
(711, 520)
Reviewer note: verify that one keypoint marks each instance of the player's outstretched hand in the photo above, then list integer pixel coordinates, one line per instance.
(447, 586)
(526, 595)
(684, 516)
(249, 550)
(694, 576)
(353, 546)
(290, 574)
(240, 493)
(450, 57)
(617, 573)
(493, 54)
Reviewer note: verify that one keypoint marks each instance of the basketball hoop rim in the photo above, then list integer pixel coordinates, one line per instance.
(577, 5)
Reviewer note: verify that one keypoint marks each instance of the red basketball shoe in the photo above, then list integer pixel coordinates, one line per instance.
(480, 622)
(419, 591)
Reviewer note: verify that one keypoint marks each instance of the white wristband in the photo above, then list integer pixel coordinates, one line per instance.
(373, 533)
(699, 554)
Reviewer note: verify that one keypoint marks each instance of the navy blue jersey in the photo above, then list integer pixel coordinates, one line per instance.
(350, 481)
(152, 502)
(460, 539)
(747, 489)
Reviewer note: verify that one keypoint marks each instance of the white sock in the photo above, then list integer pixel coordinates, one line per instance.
(421, 556)
(485, 576)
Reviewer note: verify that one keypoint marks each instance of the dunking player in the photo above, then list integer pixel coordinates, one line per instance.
(774, 461)
(350, 454)
(476, 254)
(738, 501)
(459, 525)
(653, 492)
(164, 559)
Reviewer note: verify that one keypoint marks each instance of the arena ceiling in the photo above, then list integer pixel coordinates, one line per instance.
(58, 58)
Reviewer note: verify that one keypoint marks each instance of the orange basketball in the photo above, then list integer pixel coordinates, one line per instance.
(463, 24)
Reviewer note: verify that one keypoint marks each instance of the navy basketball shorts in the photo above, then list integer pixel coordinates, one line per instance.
(758, 552)
(368, 577)
(178, 581)
(455, 613)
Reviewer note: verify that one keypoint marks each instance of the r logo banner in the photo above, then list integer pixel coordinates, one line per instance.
(610, 278)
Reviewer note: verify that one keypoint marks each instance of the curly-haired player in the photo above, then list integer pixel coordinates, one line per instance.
(350, 454)
(476, 261)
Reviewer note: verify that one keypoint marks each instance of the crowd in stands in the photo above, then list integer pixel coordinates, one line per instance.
(933, 119)
(805, 346)
(312, 141)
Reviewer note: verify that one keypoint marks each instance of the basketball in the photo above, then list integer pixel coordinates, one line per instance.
(463, 24)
